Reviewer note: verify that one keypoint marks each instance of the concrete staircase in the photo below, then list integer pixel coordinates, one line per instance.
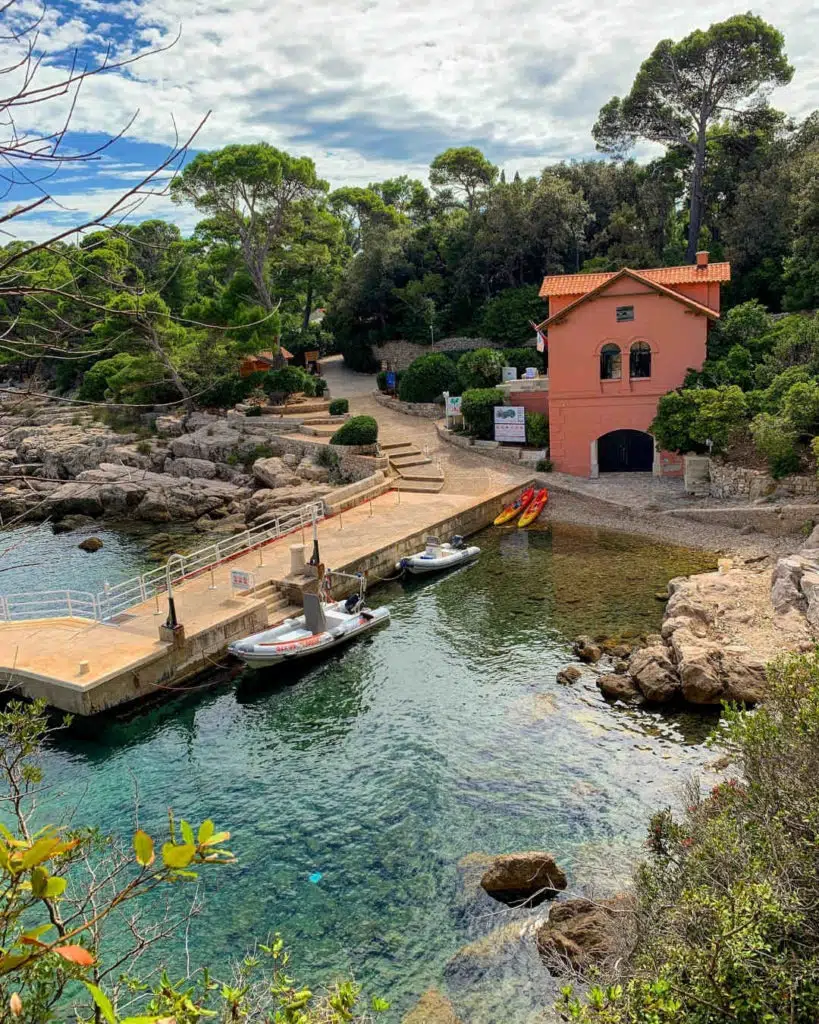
(415, 469)
(278, 607)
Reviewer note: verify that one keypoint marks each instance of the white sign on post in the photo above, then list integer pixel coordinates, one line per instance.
(531, 372)
(241, 579)
(510, 423)
(509, 373)
(452, 406)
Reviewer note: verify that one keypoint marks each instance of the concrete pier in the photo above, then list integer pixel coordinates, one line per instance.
(84, 667)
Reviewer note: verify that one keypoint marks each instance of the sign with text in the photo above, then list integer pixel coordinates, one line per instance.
(453, 405)
(531, 372)
(509, 373)
(241, 579)
(510, 423)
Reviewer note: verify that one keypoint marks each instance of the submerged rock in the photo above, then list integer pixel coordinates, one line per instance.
(587, 650)
(528, 877)
(90, 544)
(619, 687)
(432, 1008)
(569, 674)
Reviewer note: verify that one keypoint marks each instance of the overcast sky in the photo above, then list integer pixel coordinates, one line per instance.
(371, 88)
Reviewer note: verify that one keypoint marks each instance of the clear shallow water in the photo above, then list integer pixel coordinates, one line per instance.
(443, 735)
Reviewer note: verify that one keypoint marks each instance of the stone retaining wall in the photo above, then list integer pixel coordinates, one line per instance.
(428, 410)
(737, 482)
(342, 498)
(491, 449)
(776, 520)
(399, 354)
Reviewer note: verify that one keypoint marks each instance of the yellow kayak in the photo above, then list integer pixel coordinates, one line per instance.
(514, 510)
(534, 509)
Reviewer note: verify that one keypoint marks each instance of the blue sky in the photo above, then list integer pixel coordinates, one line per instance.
(367, 88)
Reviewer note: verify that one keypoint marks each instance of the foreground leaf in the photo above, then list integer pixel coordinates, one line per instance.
(178, 856)
(76, 955)
(144, 849)
(102, 1001)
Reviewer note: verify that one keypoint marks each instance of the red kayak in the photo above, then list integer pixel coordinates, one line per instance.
(514, 510)
(535, 508)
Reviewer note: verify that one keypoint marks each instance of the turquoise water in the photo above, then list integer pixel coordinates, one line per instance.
(443, 735)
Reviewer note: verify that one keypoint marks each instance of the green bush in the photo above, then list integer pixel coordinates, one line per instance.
(537, 430)
(254, 410)
(775, 440)
(480, 369)
(339, 406)
(781, 385)
(523, 358)
(543, 466)
(288, 380)
(231, 389)
(359, 430)
(801, 406)
(319, 386)
(427, 377)
(477, 407)
(327, 458)
(687, 419)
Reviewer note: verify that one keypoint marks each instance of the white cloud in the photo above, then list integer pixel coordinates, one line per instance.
(373, 88)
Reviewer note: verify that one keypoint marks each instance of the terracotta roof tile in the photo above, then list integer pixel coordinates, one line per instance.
(580, 284)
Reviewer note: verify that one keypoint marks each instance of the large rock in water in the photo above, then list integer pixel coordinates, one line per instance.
(529, 878)
(581, 932)
(432, 1008)
(655, 675)
(617, 686)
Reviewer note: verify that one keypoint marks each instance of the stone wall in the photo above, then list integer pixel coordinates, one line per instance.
(492, 449)
(399, 354)
(737, 482)
(427, 410)
(776, 520)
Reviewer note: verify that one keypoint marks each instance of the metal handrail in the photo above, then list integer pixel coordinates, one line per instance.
(113, 600)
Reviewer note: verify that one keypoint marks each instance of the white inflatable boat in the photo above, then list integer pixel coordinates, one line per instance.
(321, 628)
(436, 557)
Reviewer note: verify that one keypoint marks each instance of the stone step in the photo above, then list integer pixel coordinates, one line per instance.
(287, 611)
(319, 430)
(424, 486)
(430, 474)
(391, 446)
(274, 604)
(415, 459)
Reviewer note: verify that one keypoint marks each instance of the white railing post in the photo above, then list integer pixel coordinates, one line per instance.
(4, 615)
(68, 599)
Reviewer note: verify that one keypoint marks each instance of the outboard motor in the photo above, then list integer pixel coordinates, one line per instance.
(457, 542)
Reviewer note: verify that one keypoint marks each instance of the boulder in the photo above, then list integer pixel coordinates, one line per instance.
(655, 674)
(432, 1008)
(529, 878)
(69, 523)
(273, 473)
(580, 932)
(569, 674)
(194, 468)
(587, 650)
(266, 502)
(809, 585)
(90, 544)
(786, 593)
(619, 687)
(169, 426)
(310, 471)
(744, 675)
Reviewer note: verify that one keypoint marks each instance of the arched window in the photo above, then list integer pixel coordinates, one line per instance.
(640, 360)
(610, 361)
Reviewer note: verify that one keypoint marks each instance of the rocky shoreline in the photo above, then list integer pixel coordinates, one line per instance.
(218, 474)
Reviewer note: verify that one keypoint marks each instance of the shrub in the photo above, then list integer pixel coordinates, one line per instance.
(339, 406)
(477, 407)
(775, 439)
(523, 358)
(537, 430)
(319, 385)
(801, 406)
(254, 410)
(687, 419)
(327, 458)
(543, 466)
(427, 378)
(480, 369)
(781, 385)
(288, 380)
(359, 430)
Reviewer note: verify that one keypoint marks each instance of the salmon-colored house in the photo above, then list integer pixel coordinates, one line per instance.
(616, 343)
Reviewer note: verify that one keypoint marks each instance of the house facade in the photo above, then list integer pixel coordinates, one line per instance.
(616, 343)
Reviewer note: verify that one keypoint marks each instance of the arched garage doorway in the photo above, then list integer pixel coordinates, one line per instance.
(625, 451)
